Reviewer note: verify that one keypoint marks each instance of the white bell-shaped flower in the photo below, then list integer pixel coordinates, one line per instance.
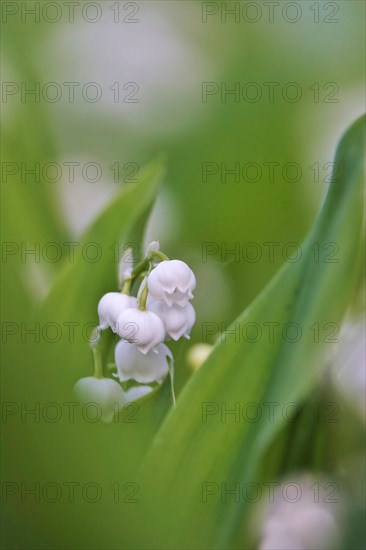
(142, 328)
(106, 394)
(178, 321)
(172, 281)
(110, 306)
(144, 368)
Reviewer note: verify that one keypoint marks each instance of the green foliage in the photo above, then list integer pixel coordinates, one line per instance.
(168, 453)
(197, 452)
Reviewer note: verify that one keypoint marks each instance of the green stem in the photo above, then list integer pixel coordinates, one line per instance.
(159, 254)
(171, 376)
(126, 287)
(142, 266)
(98, 364)
(142, 295)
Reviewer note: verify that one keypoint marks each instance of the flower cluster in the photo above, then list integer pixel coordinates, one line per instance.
(160, 311)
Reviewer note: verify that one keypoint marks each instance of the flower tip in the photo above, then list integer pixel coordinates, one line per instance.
(154, 246)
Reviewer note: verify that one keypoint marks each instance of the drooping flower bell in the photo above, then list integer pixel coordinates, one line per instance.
(105, 393)
(140, 327)
(178, 321)
(110, 306)
(173, 282)
(144, 368)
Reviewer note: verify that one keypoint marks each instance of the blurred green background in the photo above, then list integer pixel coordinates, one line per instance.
(169, 52)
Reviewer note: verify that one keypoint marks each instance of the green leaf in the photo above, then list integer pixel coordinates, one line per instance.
(77, 447)
(188, 452)
(31, 213)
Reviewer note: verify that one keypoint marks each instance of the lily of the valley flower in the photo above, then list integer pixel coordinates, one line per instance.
(102, 392)
(178, 321)
(140, 327)
(110, 306)
(160, 310)
(173, 282)
(145, 368)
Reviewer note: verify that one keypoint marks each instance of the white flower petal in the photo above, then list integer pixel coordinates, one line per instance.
(144, 368)
(110, 306)
(178, 321)
(143, 328)
(172, 281)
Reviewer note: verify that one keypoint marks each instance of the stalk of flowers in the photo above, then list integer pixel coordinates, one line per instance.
(161, 311)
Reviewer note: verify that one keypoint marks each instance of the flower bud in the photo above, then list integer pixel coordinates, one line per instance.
(198, 354)
(102, 392)
(143, 328)
(178, 321)
(110, 306)
(172, 281)
(144, 368)
(152, 247)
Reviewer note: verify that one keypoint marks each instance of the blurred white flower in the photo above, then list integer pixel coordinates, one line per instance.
(178, 321)
(143, 328)
(79, 199)
(110, 306)
(173, 282)
(300, 518)
(144, 368)
(105, 393)
(160, 56)
(198, 354)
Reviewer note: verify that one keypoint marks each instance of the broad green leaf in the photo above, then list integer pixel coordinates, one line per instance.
(189, 452)
(31, 214)
(73, 447)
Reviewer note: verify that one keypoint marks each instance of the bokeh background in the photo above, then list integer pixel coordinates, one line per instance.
(168, 50)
